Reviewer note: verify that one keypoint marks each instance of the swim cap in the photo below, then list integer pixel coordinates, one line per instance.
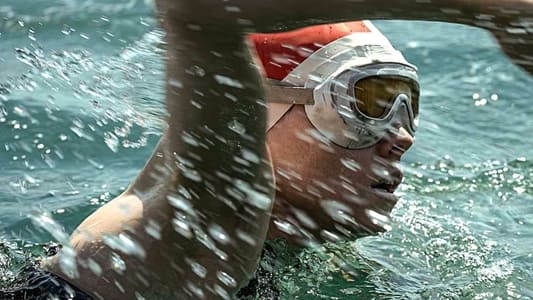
(355, 86)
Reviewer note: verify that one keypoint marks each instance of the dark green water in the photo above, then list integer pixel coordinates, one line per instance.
(81, 108)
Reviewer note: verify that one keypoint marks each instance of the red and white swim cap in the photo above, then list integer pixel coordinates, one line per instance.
(320, 66)
(280, 53)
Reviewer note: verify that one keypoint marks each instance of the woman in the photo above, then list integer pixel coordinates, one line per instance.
(193, 184)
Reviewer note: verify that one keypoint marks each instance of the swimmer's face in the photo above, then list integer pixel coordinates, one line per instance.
(324, 191)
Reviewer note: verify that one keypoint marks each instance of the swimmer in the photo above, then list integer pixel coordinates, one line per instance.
(193, 222)
(342, 110)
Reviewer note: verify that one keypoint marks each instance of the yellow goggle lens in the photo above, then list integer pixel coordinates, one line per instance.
(375, 95)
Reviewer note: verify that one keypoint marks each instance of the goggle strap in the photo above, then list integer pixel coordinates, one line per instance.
(276, 93)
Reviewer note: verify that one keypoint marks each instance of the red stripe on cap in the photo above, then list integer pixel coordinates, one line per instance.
(280, 53)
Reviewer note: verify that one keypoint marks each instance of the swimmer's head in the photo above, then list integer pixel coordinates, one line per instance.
(325, 189)
(355, 86)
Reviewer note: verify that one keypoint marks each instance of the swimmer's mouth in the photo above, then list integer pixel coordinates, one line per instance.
(388, 183)
(388, 187)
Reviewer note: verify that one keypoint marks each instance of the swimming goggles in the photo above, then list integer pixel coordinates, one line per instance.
(354, 91)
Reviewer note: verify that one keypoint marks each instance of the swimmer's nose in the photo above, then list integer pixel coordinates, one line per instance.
(396, 143)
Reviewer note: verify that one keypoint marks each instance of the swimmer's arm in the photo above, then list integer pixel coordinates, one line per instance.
(216, 138)
(507, 20)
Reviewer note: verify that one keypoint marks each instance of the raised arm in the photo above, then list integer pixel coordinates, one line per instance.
(216, 137)
(508, 20)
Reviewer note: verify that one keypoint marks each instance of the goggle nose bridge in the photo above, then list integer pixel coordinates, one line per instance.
(405, 115)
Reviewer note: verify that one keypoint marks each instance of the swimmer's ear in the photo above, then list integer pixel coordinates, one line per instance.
(518, 45)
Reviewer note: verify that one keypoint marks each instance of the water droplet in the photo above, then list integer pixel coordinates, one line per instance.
(237, 127)
(180, 202)
(198, 269)
(285, 226)
(125, 244)
(233, 9)
(226, 279)
(379, 219)
(256, 198)
(175, 83)
(338, 211)
(280, 59)
(111, 141)
(67, 262)
(198, 292)
(194, 27)
(197, 71)
(231, 97)
(80, 133)
(329, 236)
(94, 267)
(304, 219)
(182, 227)
(95, 164)
(46, 222)
(224, 80)
(218, 234)
(350, 164)
(250, 156)
(117, 263)
(516, 30)
(245, 237)
(190, 139)
(221, 292)
(153, 229)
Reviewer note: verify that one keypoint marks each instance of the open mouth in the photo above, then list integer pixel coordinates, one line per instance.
(389, 187)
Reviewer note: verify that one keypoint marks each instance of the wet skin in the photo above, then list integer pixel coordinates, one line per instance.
(326, 191)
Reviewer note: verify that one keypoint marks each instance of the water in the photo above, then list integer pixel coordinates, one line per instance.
(81, 109)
